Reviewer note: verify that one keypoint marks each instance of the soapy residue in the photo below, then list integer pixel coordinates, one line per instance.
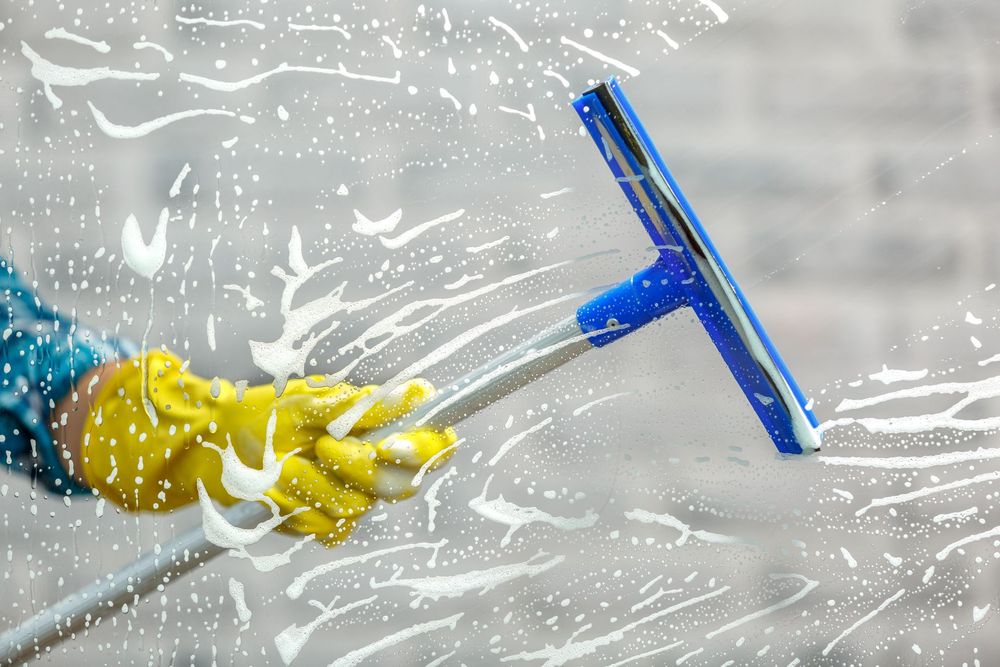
(457, 585)
(516, 517)
(145, 259)
(290, 641)
(439, 189)
(62, 33)
(357, 656)
(142, 129)
(53, 75)
(238, 593)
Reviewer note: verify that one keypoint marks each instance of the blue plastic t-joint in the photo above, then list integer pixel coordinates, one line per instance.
(635, 302)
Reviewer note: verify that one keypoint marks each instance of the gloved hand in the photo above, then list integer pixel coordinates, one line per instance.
(149, 456)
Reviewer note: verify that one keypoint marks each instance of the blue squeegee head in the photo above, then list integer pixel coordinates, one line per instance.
(689, 272)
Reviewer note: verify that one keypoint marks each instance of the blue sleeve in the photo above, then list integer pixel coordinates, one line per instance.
(42, 354)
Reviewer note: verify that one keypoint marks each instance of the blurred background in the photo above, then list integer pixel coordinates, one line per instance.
(843, 158)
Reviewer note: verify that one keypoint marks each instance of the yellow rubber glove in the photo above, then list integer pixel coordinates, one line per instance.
(149, 456)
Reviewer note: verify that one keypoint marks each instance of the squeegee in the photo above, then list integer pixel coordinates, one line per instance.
(688, 273)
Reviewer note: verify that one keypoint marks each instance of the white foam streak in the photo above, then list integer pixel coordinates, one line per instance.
(974, 391)
(587, 406)
(237, 592)
(719, 12)
(557, 76)
(358, 656)
(555, 193)
(232, 86)
(437, 662)
(339, 427)
(156, 47)
(428, 465)
(529, 114)
(223, 534)
(145, 259)
(989, 360)
(969, 539)
(501, 371)
(953, 516)
(516, 517)
(808, 585)
(296, 588)
(50, 74)
(486, 246)
(271, 562)
(397, 242)
(889, 376)
(671, 521)
(175, 189)
(451, 98)
(928, 490)
(457, 585)
(397, 52)
(432, 500)
(913, 462)
(287, 355)
(464, 280)
(290, 641)
(142, 129)
(246, 482)
(628, 69)
(864, 619)
(517, 438)
(306, 27)
(671, 42)
(521, 44)
(367, 227)
(555, 656)
(62, 33)
(646, 654)
(250, 302)
(199, 20)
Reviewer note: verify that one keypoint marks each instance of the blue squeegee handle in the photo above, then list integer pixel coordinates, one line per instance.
(633, 303)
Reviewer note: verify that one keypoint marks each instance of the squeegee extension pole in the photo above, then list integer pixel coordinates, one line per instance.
(476, 390)
(117, 593)
(497, 378)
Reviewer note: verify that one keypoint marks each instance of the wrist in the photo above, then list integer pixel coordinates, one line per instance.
(71, 416)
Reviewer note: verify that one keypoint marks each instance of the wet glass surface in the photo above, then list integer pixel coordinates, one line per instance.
(372, 191)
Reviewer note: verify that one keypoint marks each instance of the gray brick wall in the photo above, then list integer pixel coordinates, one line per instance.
(842, 155)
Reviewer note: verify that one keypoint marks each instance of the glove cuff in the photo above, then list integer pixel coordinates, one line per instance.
(139, 445)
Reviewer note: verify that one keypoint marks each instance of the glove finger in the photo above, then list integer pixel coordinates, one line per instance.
(312, 385)
(413, 449)
(309, 413)
(327, 530)
(310, 522)
(404, 456)
(385, 470)
(400, 401)
(393, 483)
(305, 484)
(338, 534)
(356, 463)
(350, 459)
(286, 505)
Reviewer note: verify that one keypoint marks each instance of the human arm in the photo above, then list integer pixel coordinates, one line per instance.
(64, 386)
